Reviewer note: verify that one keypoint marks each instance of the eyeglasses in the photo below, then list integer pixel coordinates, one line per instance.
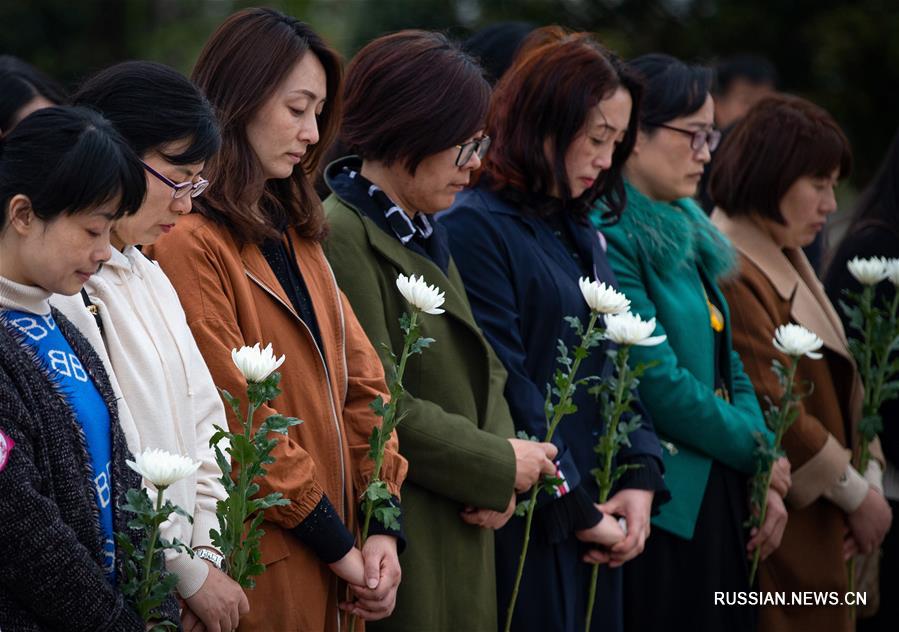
(467, 150)
(180, 189)
(698, 138)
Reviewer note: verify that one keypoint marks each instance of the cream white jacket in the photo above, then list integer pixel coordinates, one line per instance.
(167, 398)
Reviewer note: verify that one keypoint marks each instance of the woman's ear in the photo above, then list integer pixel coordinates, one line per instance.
(20, 214)
(640, 141)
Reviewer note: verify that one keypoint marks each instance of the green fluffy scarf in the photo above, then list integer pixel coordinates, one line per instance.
(671, 235)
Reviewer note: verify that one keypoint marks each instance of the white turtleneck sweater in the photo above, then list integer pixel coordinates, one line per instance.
(167, 398)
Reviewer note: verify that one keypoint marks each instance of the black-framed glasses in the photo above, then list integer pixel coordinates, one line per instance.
(180, 189)
(467, 150)
(698, 138)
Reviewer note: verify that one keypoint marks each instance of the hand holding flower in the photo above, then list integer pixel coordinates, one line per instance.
(376, 599)
(780, 476)
(870, 522)
(605, 533)
(487, 518)
(767, 537)
(532, 459)
(350, 567)
(635, 506)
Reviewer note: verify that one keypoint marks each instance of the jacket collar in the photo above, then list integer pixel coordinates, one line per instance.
(409, 262)
(790, 273)
(259, 271)
(24, 298)
(676, 234)
(543, 233)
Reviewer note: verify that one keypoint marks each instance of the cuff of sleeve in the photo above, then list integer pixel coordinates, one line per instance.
(203, 524)
(849, 492)
(191, 571)
(572, 512)
(376, 528)
(324, 532)
(821, 472)
(648, 476)
(874, 475)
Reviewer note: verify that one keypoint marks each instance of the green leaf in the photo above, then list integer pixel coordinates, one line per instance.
(388, 516)
(521, 509)
(420, 345)
(242, 450)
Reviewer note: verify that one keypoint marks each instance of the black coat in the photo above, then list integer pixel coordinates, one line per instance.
(522, 281)
(872, 241)
(51, 545)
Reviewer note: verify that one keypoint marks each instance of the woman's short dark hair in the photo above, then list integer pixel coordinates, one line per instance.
(672, 88)
(547, 95)
(780, 140)
(152, 105)
(239, 69)
(21, 82)
(67, 160)
(409, 95)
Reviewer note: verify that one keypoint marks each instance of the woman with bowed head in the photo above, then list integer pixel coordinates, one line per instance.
(65, 175)
(415, 151)
(773, 187)
(248, 267)
(562, 123)
(874, 232)
(166, 397)
(668, 259)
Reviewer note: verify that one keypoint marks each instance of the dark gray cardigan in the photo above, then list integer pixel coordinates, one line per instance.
(51, 552)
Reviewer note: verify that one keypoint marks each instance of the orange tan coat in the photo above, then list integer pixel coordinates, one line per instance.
(232, 298)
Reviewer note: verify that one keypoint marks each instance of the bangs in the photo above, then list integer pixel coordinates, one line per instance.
(95, 171)
(827, 150)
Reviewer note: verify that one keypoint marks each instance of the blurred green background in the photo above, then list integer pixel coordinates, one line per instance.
(844, 56)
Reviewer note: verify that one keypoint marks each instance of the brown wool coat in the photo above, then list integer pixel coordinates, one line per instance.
(775, 287)
(232, 298)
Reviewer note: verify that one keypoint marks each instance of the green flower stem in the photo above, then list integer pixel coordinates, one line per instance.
(237, 563)
(388, 424)
(867, 370)
(564, 401)
(605, 476)
(396, 391)
(148, 560)
(778, 440)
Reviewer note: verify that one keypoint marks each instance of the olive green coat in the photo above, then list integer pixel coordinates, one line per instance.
(454, 429)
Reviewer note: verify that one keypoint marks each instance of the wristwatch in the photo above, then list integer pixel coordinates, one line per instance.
(217, 559)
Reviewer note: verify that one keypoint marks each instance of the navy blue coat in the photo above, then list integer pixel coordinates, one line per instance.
(522, 282)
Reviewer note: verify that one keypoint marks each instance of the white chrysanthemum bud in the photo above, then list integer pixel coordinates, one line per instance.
(868, 271)
(629, 329)
(256, 364)
(602, 298)
(423, 297)
(162, 468)
(797, 341)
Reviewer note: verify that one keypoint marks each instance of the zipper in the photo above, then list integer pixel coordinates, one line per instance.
(269, 291)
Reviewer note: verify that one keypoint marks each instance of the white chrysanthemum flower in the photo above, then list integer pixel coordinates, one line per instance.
(893, 271)
(628, 328)
(602, 298)
(256, 364)
(423, 297)
(868, 271)
(162, 468)
(797, 341)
